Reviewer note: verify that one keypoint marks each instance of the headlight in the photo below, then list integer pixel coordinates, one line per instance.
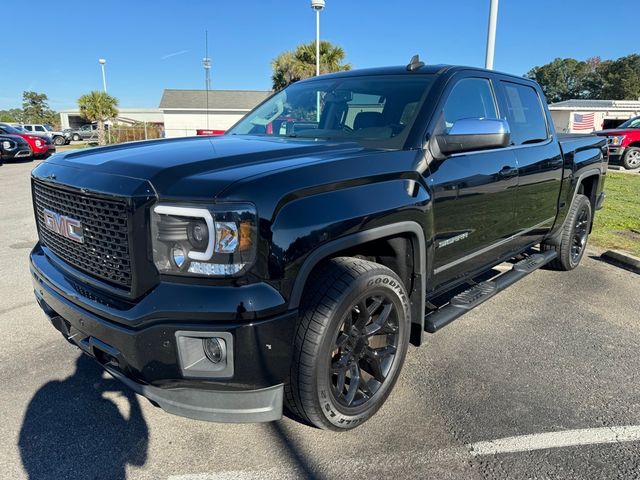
(214, 241)
(616, 140)
(9, 145)
(39, 143)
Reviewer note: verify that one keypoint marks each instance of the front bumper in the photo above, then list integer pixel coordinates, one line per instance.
(615, 154)
(146, 357)
(20, 153)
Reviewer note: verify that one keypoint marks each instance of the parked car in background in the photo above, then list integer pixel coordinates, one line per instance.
(85, 132)
(14, 147)
(40, 145)
(57, 137)
(624, 143)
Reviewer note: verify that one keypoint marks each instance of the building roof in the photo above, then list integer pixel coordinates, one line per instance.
(218, 99)
(596, 105)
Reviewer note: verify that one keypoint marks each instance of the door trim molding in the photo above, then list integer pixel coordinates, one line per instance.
(490, 247)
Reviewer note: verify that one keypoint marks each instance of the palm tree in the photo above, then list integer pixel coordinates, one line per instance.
(291, 66)
(98, 107)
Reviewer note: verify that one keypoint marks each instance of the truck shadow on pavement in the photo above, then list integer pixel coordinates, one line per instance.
(71, 430)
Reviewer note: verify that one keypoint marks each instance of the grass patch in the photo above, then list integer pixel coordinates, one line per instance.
(617, 225)
(72, 146)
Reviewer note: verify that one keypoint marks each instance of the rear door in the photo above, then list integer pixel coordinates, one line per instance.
(539, 159)
(474, 192)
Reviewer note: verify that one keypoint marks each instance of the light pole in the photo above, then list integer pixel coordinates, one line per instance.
(318, 6)
(102, 63)
(206, 64)
(491, 34)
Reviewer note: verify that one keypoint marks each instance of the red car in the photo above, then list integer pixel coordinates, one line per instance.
(40, 146)
(624, 143)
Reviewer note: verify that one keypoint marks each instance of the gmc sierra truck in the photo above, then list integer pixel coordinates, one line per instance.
(228, 278)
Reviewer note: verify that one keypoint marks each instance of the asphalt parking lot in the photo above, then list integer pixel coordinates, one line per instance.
(539, 382)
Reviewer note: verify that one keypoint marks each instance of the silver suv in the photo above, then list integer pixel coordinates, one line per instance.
(57, 137)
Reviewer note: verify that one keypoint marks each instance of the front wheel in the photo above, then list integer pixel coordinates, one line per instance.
(59, 141)
(351, 341)
(631, 159)
(76, 137)
(575, 233)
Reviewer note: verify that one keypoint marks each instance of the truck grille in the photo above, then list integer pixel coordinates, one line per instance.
(104, 252)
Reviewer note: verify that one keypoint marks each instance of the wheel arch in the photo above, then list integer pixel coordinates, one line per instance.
(408, 229)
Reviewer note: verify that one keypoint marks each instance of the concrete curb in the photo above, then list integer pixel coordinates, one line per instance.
(622, 259)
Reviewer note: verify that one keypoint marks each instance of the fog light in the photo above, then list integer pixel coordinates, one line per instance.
(214, 349)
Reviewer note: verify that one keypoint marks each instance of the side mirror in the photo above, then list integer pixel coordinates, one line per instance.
(470, 134)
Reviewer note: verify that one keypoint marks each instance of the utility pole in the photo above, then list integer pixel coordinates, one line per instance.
(491, 34)
(206, 63)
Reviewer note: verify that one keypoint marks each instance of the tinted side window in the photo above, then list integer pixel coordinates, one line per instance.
(39, 128)
(525, 114)
(27, 127)
(470, 98)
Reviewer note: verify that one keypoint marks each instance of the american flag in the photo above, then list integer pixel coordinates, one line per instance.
(583, 121)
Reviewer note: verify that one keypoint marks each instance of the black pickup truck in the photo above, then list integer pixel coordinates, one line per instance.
(290, 262)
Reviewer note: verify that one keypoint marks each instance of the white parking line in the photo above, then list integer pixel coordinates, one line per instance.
(566, 438)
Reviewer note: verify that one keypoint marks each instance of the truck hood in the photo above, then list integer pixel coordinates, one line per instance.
(618, 132)
(201, 167)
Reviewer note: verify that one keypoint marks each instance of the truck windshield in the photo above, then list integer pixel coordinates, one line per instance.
(376, 111)
(631, 123)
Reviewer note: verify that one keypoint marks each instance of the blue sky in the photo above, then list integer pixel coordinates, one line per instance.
(151, 45)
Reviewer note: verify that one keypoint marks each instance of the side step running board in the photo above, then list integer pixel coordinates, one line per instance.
(481, 292)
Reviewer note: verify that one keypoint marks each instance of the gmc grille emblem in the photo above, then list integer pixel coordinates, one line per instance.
(62, 225)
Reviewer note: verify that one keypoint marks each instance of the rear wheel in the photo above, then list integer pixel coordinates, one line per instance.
(631, 158)
(350, 344)
(575, 233)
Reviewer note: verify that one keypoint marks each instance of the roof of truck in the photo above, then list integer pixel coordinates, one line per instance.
(402, 69)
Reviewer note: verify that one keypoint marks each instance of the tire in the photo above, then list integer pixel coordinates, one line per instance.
(631, 159)
(575, 233)
(59, 141)
(76, 137)
(346, 363)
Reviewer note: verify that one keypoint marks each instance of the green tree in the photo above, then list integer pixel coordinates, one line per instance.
(98, 107)
(566, 78)
(35, 108)
(294, 65)
(620, 78)
(13, 115)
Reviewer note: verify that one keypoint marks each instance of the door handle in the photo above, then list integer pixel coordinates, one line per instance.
(508, 172)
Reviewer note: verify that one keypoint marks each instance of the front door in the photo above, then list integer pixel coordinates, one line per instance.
(473, 192)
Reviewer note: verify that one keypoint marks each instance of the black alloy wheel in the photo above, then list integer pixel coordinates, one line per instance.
(351, 340)
(365, 349)
(580, 233)
(572, 238)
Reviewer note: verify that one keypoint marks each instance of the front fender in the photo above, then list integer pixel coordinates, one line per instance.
(310, 229)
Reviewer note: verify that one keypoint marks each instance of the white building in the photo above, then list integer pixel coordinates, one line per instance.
(585, 116)
(73, 119)
(185, 111)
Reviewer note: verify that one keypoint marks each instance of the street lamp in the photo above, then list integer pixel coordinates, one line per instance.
(491, 34)
(318, 6)
(102, 62)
